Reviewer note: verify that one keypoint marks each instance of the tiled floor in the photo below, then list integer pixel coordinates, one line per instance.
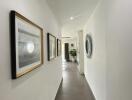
(74, 86)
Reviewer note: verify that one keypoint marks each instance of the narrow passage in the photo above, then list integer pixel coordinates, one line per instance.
(74, 86)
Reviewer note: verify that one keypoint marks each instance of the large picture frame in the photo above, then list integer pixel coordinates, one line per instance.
(26, 45)
(58, 47)
(51, 45)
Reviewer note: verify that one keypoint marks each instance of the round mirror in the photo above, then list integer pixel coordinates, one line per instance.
(88, 45)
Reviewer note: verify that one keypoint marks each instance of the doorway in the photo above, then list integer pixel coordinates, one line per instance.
(67, 52)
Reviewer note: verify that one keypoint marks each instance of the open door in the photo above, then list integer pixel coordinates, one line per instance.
(81, 53)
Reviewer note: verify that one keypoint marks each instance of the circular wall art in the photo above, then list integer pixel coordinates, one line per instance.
(88, 46)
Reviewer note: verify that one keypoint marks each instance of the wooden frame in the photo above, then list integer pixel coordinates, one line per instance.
(26, 45)
(58, 47)
(51, 46)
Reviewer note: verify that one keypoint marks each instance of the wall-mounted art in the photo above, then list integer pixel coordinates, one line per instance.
(58, 47)
(51, 45)
(88, 46)
(26, 45)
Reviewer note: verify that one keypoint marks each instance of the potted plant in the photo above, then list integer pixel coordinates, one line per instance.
(73, 53)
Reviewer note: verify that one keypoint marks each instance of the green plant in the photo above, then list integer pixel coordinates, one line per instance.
(73, 53)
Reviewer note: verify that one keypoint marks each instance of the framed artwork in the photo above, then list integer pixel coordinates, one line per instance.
(26, 45)
(88, 46)
(58, 47)
(51, 45)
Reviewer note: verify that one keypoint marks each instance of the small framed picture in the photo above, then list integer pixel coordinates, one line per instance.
(26, 45)
(51, 45)
(58, 47)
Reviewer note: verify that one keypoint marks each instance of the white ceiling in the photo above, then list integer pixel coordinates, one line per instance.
(79, 9)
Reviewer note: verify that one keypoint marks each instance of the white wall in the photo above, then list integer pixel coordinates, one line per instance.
(42, 83)
(119, 47)
(109, 71)
(95, 68)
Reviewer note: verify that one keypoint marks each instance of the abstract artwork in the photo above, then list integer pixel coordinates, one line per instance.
(58, 47)
(88, 46)
(26, 45)
(51, 45)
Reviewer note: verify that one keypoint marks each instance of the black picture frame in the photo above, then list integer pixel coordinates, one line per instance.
(58, 47)
(51, 46)
(24, 44)
(88, 46)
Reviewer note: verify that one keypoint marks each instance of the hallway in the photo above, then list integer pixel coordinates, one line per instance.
(38, 36)
(74, 86)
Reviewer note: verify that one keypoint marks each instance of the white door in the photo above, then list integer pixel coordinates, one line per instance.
(80, 52)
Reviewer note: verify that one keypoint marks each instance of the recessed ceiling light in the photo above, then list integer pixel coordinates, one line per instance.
(71, 18)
